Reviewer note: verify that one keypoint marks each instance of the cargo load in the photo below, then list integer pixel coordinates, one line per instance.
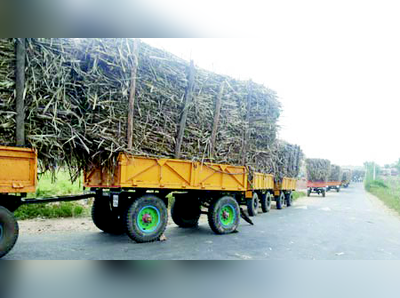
(318, 170)
(77, 95)
(336, 173)
(280, 159)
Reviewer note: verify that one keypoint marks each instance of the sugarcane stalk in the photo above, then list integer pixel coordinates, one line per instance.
(19, 90)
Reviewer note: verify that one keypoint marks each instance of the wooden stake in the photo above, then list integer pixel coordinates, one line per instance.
(187, 101)
(132, 91)
(247, 125)
(20, 50)
(216, 117)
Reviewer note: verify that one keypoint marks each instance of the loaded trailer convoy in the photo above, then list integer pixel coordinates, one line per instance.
(323, 177)
(133, 198)
(140, 124)
(318, 171)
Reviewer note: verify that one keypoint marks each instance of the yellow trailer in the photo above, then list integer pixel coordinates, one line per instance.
(283, 192)
(134, 196)
(18, 168)
(259, 192)
(18, 176)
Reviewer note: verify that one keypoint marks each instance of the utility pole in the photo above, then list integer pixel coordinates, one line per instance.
(374, 172)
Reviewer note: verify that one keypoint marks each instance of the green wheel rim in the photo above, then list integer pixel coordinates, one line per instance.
(1, 231)
(148, 219)
(227, 215)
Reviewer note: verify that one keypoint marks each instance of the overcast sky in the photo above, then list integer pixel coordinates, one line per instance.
(336, 70)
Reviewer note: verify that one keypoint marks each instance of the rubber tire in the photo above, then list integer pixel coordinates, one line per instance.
(185, 212)
(266, 201)
(323, 193)
(280, 201)
(338, 189)
(213, 215)
(253, 204)
(308, 192)
(10, 231)
(131, 227)
(104, 219)
(289, 199)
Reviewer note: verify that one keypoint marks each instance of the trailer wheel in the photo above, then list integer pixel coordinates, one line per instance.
(280, 201)
(104, 219)
(224, 215)
(308, 192)
(185, 212)
(8, 231)
(289, 199)
(266, 201)
(338, 189)
(323, 193)
(252, 205)
(146, 219)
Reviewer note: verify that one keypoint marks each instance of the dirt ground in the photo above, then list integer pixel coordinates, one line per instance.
(65, 225)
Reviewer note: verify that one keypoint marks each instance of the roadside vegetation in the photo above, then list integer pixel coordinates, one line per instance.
(385, 188)
(49, 186)
(298, 194)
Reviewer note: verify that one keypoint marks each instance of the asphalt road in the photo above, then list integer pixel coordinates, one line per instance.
(347, 225)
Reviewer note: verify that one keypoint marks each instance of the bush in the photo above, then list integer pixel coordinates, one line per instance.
(53, 210)
(298, 194)
(49, 186)
(388, 192)
(375, 184)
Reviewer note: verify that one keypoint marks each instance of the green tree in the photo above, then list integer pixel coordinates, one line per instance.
(397, 165)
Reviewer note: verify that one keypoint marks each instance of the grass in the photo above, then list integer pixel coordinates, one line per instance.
(48, 188)
(387, 190)
(61, 186)
(298, 194)
(53, 210)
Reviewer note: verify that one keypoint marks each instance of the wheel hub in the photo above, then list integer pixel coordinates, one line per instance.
(147, 218)
(225, 215)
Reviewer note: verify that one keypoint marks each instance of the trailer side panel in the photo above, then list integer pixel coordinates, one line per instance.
(18, 170)
(153, 173)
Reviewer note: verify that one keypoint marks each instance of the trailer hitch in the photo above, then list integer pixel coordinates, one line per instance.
(245, 216)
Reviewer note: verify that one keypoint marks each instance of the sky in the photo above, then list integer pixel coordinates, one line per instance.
(336, 69)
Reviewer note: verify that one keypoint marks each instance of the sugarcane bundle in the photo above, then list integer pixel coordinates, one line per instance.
(281, 159)
(318, 170)
(336, 173)
(347, 175)
(77, 93)
(7, 85)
